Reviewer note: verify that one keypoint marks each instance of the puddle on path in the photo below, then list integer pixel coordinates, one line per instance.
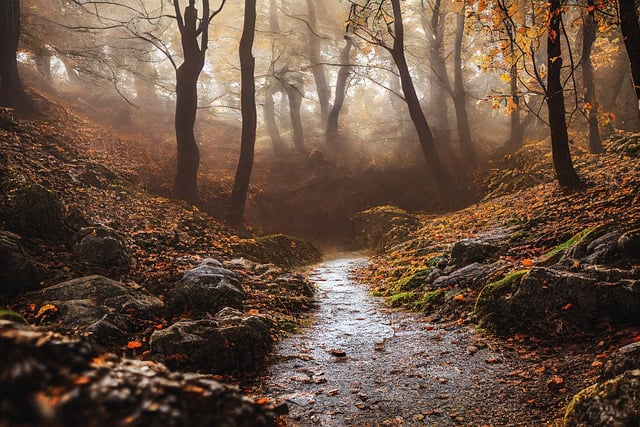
(361, 364)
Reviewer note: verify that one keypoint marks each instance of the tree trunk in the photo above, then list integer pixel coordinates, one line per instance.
(588, 37)
(427, 143)
(10, 84)
(269, 113)
(186, 183)
(324, 93)
(562, 163)
(440, 85)
(517, 134)
(331, 133)
(249, 116)
(631, 35)
(295, 102)
(459, 97)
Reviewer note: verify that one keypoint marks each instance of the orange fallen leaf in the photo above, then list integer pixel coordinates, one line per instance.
(596, 363)
(262, 401)
(555, 383)
(567, 307)
(134, 344)
(527, 262)
(459, 297)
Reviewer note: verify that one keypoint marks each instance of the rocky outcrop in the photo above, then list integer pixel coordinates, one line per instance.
(19, 272)
(51, 380)
(102, 246)
(380, 227)
(627, 358)
(207, 288)
(230, 342)
(97, 305)
(278, 249)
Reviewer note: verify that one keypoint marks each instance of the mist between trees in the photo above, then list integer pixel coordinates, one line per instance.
(356, 84)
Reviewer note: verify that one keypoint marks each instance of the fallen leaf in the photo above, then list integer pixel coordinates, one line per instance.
(134, 344)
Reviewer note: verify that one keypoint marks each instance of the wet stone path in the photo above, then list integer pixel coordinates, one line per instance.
(360, 364)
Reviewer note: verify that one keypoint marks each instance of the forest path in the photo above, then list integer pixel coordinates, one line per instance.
(361, 364)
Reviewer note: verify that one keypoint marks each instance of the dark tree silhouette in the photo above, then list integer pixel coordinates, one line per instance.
(249, 116)
(631, 35)
(10, 84)
(588, 81)
(562, 163)
(331, 133)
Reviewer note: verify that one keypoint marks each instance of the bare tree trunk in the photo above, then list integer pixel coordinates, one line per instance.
(563, 165)
(249, 116)
(588, 37)
(295, 103)
(324, 93)
(269, 113)
(11, 92)
(440, 85)
(459, 97)
(331, 132)
(631, 35)
(516, 136)
(427, 143)
(186, 183)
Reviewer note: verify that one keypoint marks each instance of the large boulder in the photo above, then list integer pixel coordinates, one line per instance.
(480, 249)
(33, 211)
(18, 271)
(95, 304)
(550, 302)
(627, 358)
(102, 246)
(614, 403)
(229, 343)
(51, 380)
(207, 288)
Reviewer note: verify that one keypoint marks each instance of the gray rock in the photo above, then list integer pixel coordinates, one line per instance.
(33, 211)
(471, 276)
(102, 246)
(98, 305)
(207, 288)
(627, 358)
(629, 243)
(481, 250)
(230, 342)
(18, 271)
(614, 403)
(551, 302)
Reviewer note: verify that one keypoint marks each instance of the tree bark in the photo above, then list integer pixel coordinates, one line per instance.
(269, 114)
(588, 37)
(427, 143)
(11, 92)
(459, 97)
(331, 133)
(563, 165)
(322, 87)
(249, 116)
(186, 182)
(631, 35)
(295, 103)
(516, 137)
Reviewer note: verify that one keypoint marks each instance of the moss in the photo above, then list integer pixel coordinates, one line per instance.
(487, 304)
(428, 301)
(411, 282)
(553, 253)
(402, 298)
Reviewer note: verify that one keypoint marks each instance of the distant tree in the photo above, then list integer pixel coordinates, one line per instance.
(459, 95)
(10, 84)
(380, 22)
(249, 115)
(588, 80)
(331, 133)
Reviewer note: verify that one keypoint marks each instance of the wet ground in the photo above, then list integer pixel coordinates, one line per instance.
(361, 364)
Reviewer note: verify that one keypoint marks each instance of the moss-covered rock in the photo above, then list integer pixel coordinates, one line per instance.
(412, 281)
(402, 298)
(279, 249)
(615, 402)
(490, 307)
(380, 227)
(429, 301)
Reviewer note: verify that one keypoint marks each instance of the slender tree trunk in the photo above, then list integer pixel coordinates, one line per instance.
(631, 35)
(459, 97)
(331, 133)
(588, 37)
(186, 183)
(517, 134)
(269, 113)
(295, 103)
(10, 85)
(322, 87)
(440, 85)
(427, 143)
(562, 162)
(249, 117)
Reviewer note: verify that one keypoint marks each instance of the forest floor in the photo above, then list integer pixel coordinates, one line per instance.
(411, 369)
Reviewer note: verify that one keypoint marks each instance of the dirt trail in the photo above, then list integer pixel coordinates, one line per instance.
(361, 364)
